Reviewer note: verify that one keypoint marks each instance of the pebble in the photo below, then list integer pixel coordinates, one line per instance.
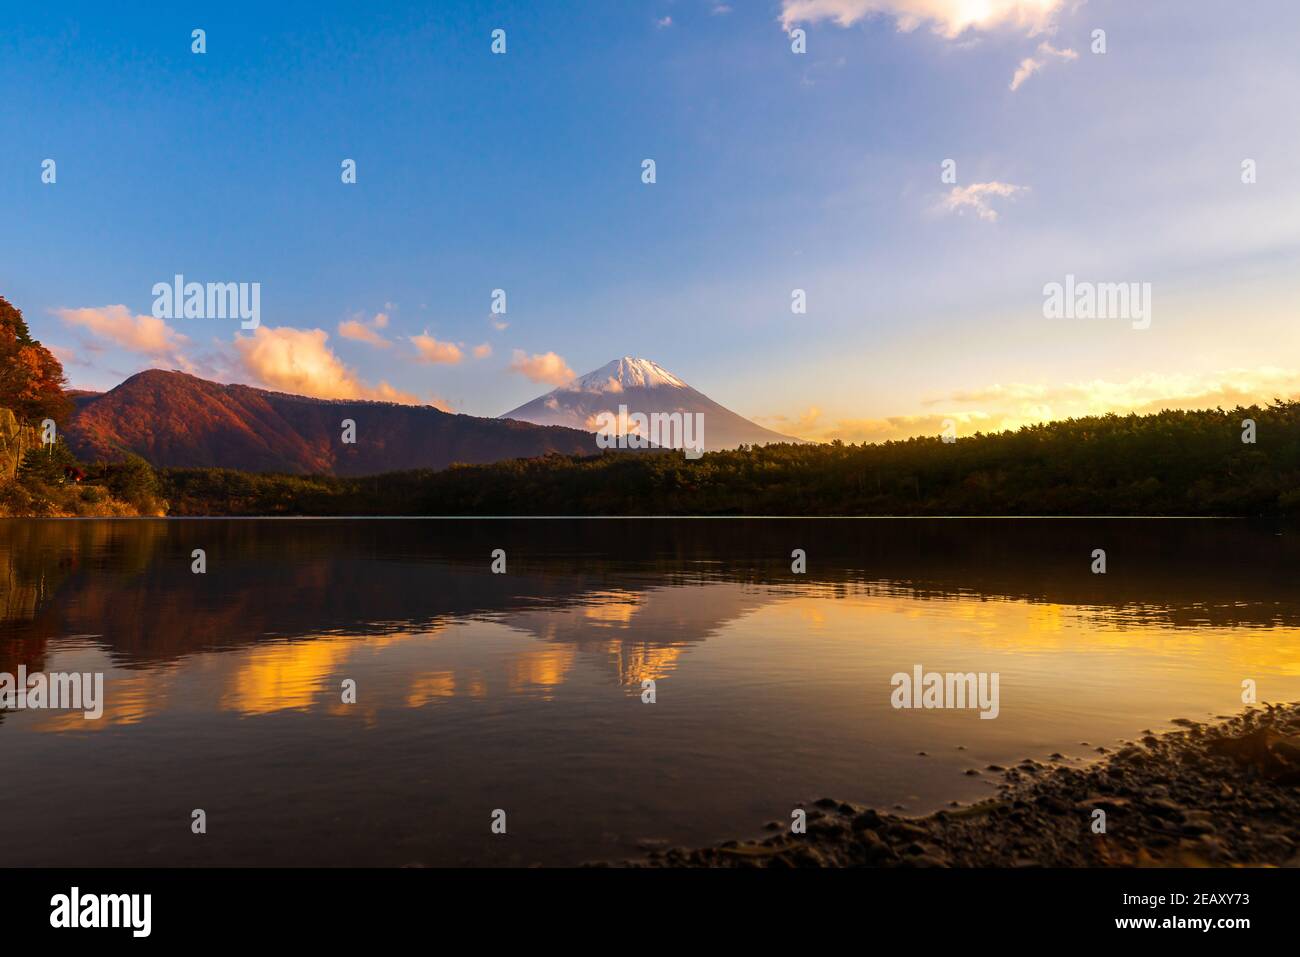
(1224, 796)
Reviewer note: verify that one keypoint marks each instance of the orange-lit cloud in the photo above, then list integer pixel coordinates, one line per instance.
(361, 331)
(888, 428)
(144, 334)
(300, 361)
(797, 426)
(431, 351)
(999, 407)
(1146, 393)
(483, 351)
(546, 367)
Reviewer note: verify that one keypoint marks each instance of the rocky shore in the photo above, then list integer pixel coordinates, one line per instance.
(1224, 794)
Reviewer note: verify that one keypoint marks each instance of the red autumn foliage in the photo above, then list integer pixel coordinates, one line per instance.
(31, 379)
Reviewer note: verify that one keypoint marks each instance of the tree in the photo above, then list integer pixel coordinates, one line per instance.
(46, 464)
(31, 378)
(134, 481)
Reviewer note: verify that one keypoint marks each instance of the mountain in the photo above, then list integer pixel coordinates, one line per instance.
(175, 419)
(646, 387)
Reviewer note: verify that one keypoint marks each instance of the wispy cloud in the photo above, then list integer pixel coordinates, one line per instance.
(950, 18)
(998, 407)
(1151, 392)
(798, 426)
(977, 197)
(810, 425)
(1031, 65)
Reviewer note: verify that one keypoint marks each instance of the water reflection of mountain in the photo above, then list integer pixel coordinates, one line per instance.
(129, 584)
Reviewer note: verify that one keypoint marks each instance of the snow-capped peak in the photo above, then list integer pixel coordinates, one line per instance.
(626, 373)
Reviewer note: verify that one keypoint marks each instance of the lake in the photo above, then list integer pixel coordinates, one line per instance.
(523, 691)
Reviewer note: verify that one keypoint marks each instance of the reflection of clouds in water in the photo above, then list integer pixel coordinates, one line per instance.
(546, 668)
(283, 676)
(1062, 637)
(129, 698)
(655, 627)
(429, 687)
(648, 635)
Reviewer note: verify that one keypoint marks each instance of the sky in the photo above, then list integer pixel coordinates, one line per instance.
(774, 171)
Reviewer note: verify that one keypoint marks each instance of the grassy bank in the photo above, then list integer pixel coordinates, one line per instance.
(51, 484)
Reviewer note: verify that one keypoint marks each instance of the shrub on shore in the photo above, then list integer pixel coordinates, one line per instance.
(52, 483)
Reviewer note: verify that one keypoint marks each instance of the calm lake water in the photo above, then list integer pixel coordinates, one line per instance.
(478, 691)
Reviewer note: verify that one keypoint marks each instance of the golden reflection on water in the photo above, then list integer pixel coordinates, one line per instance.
(545, 668)
(772, 688)
(1045, 652)
(430, 686)
(129, 699)
(1130, 656)
(282, 677)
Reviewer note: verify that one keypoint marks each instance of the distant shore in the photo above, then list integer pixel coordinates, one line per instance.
(1171, 463)
(1221, 794)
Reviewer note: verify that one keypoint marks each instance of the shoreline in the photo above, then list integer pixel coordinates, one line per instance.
(1219, 794)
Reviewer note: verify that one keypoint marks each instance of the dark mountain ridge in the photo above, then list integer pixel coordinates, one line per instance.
(176, 419)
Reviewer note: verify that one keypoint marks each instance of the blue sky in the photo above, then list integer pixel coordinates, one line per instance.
(775, 171)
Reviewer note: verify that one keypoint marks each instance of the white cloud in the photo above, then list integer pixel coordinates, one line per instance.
(1031, 65)
(1028, 67)
(950, 18)
(977, 197)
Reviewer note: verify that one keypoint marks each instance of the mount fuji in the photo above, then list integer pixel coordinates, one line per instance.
(646, 387)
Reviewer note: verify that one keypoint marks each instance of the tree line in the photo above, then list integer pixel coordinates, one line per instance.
(1167, 463)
